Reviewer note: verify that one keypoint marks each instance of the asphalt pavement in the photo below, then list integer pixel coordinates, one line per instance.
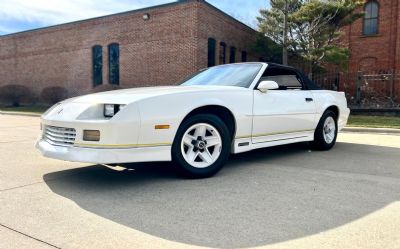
(282, 197)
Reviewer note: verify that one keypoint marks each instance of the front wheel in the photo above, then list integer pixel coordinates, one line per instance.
(201, 146)
(326, 133)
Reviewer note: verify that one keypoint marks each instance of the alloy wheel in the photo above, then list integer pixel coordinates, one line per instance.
(201, 145)
(329, 130)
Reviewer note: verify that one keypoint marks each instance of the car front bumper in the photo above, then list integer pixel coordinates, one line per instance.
(104, 155)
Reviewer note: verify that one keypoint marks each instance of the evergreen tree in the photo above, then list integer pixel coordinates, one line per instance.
(275, 23)
(313, 28)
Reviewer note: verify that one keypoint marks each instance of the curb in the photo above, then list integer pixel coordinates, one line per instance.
(27, 114)
(371, 130)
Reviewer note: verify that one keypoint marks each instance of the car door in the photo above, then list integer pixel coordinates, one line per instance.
(285, 113)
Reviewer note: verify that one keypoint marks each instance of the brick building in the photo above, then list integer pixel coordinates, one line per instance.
(374, 40)
(151, 46)
(373, 77)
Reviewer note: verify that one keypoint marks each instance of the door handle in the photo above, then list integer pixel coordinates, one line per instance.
(309, 99)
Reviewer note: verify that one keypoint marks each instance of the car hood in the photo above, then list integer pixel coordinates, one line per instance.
(126, 96)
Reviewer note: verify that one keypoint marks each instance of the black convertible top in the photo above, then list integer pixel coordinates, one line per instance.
(308, 84)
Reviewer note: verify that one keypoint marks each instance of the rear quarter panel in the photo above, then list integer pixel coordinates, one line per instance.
(325, 98)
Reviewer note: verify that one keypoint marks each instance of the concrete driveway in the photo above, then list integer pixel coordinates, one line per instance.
(283, 197)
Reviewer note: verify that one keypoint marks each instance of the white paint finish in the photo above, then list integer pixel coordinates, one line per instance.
(292, 138)
(325, 99)
(104, 156)
(121, 129)
(261, 119)
(281, 112)
(266, 85)
(173, 108)
(246, 145)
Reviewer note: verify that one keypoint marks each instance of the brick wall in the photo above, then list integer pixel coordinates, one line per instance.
(214, 24)
(160, 51)
(377, 53)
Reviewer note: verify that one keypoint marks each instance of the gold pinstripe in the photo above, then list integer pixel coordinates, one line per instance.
(273, 133)
(167, 144)
(120, 145)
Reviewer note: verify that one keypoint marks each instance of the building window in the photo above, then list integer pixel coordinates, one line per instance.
(113, 63)
(97, 65)
(222, 53)
(370, 25)
(244, 56)
(232, 55)
(211, 52)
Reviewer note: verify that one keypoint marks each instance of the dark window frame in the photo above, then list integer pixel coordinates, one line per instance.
(290, 71)
(373, 17)
(97, 65)
(222, 53)
(211, 52)
(232, 55)
(113, 64)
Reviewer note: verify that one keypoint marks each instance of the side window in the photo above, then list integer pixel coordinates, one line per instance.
(97, 65)
(113, 63)
(370, 23)
(287, 79)
(222, 53)
(244, 56)
(211, 52)
(232, 55)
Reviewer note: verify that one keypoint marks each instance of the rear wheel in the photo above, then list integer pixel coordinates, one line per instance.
(201, 146)
(326, 133)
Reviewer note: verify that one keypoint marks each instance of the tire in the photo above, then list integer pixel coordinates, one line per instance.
(326, 133)
(201, 146)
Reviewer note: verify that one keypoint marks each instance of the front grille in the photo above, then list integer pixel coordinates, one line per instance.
(60, 136)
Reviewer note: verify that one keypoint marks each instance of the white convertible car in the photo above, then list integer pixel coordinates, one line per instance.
(225, 109)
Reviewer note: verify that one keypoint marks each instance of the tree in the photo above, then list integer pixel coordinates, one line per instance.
(313, 29)
(267, 49)
(316, 31)
(275, 24)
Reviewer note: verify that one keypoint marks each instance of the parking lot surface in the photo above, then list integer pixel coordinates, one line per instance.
(283, 197)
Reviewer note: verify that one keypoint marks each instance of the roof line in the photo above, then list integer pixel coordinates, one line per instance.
(280, 65)
(277, 64)
(129, 12)
(98, 17)
(227, 15)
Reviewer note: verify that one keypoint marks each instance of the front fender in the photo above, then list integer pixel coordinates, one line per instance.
(171, 110)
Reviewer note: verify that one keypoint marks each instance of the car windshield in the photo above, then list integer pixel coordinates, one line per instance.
(240, 75)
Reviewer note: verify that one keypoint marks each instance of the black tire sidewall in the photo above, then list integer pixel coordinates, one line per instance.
(319, 142)
(184, 167)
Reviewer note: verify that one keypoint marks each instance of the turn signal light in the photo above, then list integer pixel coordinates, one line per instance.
(161, 127)
(91, 135)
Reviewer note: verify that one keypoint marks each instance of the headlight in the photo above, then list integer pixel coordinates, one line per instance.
(111, 109)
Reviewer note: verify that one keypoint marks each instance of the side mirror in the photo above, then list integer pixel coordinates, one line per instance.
(266, 85)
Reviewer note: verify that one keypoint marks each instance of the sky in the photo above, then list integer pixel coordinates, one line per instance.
(21, 15)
